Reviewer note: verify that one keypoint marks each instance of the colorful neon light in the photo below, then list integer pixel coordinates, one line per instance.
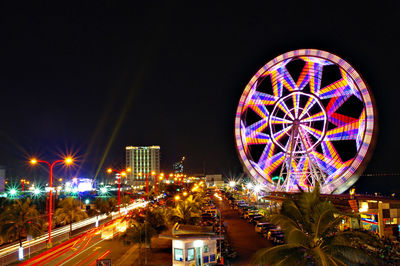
(303, 123)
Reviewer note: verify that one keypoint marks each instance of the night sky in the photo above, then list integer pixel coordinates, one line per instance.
(92, 78)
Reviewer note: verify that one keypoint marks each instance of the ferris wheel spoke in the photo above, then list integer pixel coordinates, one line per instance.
(339, 87)
(351, 84)
(256, 127)
(360, 134)
(310, 103)
(335, 103)
(256, 105)
(341, 120)
(277, 120)
(296, 104)
(304, 77)
(329, 150)
(260, 138)
(264, 98)
(346, 132)
(277, 84)
(281, 105)
(312, 131)
(278, 135)
(273, 162)
(328, 166)
(267, 153)
(287, 80)
(320, 116)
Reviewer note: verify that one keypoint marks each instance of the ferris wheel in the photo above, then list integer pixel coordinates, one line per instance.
(305, 117)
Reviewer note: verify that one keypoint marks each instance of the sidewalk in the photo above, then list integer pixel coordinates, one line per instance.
(245, 241)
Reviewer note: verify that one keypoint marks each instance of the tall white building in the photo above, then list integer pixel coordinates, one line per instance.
(144, 160)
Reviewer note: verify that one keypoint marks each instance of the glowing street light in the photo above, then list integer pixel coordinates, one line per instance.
(177, 197)
(147, 181)
(232, 184)
(37, 191)
(257, 188)
(13, 192)
(68, 160)
(103, 190)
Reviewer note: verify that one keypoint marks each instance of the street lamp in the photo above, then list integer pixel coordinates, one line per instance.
(147, 181)
(122, 174)
(67, 161)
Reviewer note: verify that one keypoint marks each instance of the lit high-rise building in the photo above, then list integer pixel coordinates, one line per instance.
(142, 160)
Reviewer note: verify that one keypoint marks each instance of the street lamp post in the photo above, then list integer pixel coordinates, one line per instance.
(147, 181)
(122, 174)
(67, 160)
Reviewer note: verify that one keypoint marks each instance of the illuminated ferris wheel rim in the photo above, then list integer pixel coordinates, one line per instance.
(350, 171)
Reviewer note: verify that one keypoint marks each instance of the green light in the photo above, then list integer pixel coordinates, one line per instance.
(277, 177)
(13, 192)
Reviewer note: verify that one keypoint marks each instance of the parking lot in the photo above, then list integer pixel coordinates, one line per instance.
(243, 238)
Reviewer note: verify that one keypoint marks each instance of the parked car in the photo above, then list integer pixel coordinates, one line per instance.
(260, 226)
(254, 219)
(247, 214)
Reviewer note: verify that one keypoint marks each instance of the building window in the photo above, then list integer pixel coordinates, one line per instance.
(206, 249)
(178, 254)
(190, 254)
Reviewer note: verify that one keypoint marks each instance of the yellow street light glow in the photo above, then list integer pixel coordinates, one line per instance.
(139, 174)
(185, 193)
(68, 160)
(153, 173)
(123, 174)
(171, 175)
(109, 170)
(33, 161)
(177, 197)
(60, 179)
(162, 174)
(129, 170)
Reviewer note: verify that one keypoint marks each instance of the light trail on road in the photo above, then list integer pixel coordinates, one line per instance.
(65, 229)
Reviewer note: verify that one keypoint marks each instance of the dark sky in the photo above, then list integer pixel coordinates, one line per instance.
(171, 73)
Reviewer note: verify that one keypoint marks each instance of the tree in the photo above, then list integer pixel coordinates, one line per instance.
(138, 233)
(69, 212)
(186, 211)
(18, 220)
(311, 229)
(157, 219)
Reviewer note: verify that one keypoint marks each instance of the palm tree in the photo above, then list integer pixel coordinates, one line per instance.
(186, 211)
(138, 233)
(310, 226)
(69, 212)
(157, 219)
(18, 220)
